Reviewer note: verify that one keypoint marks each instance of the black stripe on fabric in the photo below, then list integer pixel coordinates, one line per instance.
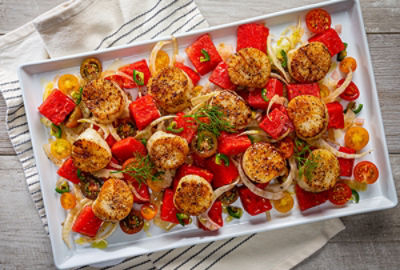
(38, 200)
(40, 208)
(23, 152)
(162, 256)
(194, 255)
(16, 118)
(30, 176)
(13, 97)
(229, 251)
(27, 159)
(153, 268)
(160, 21)
(176, 257)
(37, 191)
(19, 134)
(127, 23)
(183, 25)
(22, 143)
(11, 90)
(18, 106)
(136, 265)
(17, 126)
(211, 253)
(30, 167)
(10, 82)
(194, 26)
(140, 25)
(173, 22)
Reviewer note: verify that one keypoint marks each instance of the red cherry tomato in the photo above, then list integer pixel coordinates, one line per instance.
(318, 20)
(286, 147)
(340, 194)
(366, 172)
(351, 93)
(133, 223)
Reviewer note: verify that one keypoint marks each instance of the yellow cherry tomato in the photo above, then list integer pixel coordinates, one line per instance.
(148, 211)
(60, 148)
(68, 83)
(162, 60)
(347, 63)
(285, 204)
(68, 200)
(356, 138)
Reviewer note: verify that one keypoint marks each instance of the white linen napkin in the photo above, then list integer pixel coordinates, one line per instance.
(78, 26)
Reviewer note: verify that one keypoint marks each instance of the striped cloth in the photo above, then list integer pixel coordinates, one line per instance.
(78, 26)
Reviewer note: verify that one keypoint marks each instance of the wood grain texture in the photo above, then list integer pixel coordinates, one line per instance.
(371, 241)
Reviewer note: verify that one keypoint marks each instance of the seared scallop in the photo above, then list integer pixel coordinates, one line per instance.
(309, 63)
(114, 202)
(171, 89)
(90, 152)
(236, 110)
(320, 172)
(262, 162)
(105, 100)
(193, 195)
(249, 67)
(309, 116)
(167, 151)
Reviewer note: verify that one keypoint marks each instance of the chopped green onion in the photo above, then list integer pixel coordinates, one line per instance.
(143, 141)
(350, 106)
(139, 74)
(264, 94)
(80, 175)
(355, 196)
(172, 128)
(285, 59)
(181, 218)
(235, 212)
(341, 55)
(102, 244)
(221, 157)
(359, 108)
(77, 96)
(55, 131)
(251, 138)
(63, 187)
(205, 57)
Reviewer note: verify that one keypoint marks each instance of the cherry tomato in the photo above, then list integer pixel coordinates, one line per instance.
(148, 211)
(90, 186)
(60, 148)
(205, 144)
(318, 20)
(347, 63)
(284, 204)
(68, 83)
(91, 68)
(351, 93)
(286, 147)
(366, 172)
(340, 194)
(356, 138)
(133, 223)
(229, 197)
(68, 200)
(162, 60)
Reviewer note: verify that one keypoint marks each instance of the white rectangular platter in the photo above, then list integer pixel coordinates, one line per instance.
(381, 195)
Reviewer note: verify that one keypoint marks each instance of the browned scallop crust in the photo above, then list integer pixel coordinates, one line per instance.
(88, 156)
(114, 202)
(249, 67)
(262, 162)
(171, 90)
(310, 63)
(325, 175)
(309, 116)
(193, 195)
(167, 151)
(104, 99)
(237, 112)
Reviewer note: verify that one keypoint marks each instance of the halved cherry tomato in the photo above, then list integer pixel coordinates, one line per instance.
(347, 63)
(229, 197)
(366, 172)
(133, 223)
(318, 20)
(205, 144)
(356, 138)
(90, 185)
(91, 68)
(286, 147)
(340, 194)
(284, 204)
(351, 93)
(68, 83)
(68, 200)
(162, 60)
(148, 211)
(60, 148)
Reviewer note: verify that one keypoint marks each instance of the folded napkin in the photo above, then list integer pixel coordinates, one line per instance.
(79, 26)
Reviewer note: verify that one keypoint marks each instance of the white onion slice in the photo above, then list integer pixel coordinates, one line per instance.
(176, 50)
(115, 166)
(153, 56)
(136, 193)
(103, 127)
(107, 173)
(113, 132)
(108, 73)
(278, 100)
(325, 145)
(289, 180)
(279, 77)
(275, 61)
(333, 95)
(70, 219)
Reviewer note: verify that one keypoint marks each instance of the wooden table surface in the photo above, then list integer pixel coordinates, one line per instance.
(370, 241)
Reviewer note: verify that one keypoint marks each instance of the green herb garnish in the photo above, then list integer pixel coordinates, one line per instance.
(285, 59)
(306, 161)
(142, 170)
(205, 57)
